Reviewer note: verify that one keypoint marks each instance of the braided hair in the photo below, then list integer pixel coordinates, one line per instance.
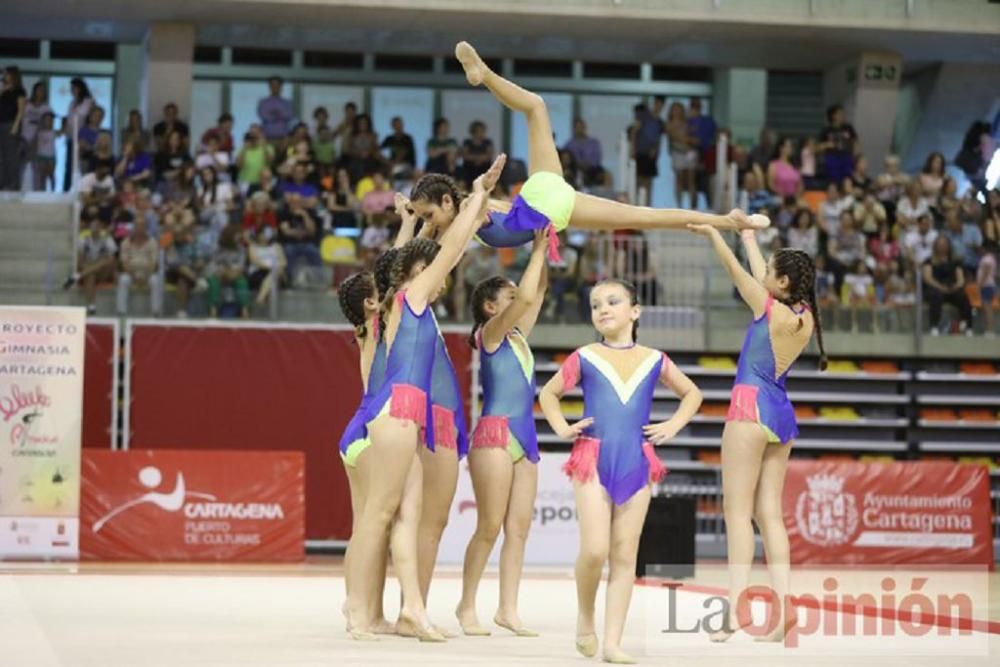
(798, 267)
(353, 292)
(433, 187)
(383, 269)
(415, 251)
(633, 299)
(487, 290)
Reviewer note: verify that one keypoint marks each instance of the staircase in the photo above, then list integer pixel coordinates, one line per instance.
(36, 248)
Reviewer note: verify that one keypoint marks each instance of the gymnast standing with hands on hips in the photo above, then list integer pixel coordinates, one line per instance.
(613, 463)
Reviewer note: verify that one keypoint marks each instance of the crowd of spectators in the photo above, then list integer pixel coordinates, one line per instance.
(238, 219)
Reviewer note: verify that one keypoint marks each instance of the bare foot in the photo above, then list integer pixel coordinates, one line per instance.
(513, 623)
(618, 657)
(469, 623)
(475, 68)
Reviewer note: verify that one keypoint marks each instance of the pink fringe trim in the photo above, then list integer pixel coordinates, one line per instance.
(582, 462)
(657, 470)
(400, 295)
(743, 404)
(445, 433)
(553, 245)
(491, 431)
(570, 371)
(409, 402)
(665, 369)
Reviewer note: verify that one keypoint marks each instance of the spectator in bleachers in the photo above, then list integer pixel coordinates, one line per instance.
(832, 208)
(211, 156)
(803, 234)
(35, 108)
(911, 207)
(344, 130)
(145, 210)
(179, 197)
(43, 154)
(299, 133)
(755, 196)
(87, 137)
(259, 213)
(442, 150)
(297, 234)
(324, 147)
(890, 185)
(978, 149)
(268, 183)
(859, 177)
(135, 165)
(586, 151)
(784, 216)
(276, 115)
(965, 239)
(702, 134)
(76, 118)
(883, 247)
(379, 199)
(918, 241)
(363, 152)
(839, 144)
(562, 281)
(228, 269)
(134, 130)
(170, 158)
(762, 153)
(267, 264)
(858, 290)
(185, 261)
(683, 155)
(932, 176)
(170, 124)
(299, 185)
(826, 297)
(375, 239)
(95, 257)
(570, 173)
(342, 203)
(254, 155)
(646, 143)
(216, 200)
(845, 247)
(990, 217)
(783, 179)
(477, 152)
(807, 162)
(948, 198)
(139, 254)
(223, 135)
(104, 149)
(299, 153)
(97, 189)
(591, 270)
(902, 285)
(402, 152)
(869, 214)
(944, 282)
(986, 281)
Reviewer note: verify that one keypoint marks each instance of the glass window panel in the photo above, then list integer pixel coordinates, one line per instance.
(607, 118)
(461, 107)
(560, 106)
(333, 98)
(206, 107)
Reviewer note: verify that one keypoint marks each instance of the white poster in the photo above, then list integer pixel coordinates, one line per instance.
(41, 414)
(554, 537)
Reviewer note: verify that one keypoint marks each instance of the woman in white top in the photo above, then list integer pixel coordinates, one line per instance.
(265, 255)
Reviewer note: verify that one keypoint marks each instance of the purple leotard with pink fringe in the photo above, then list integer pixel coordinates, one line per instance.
(614, 446)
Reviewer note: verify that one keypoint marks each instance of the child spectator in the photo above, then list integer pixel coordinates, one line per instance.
(97, 189)
(858, 291)
(379, 199)
(253, 156)
(785, 214)
(135, 165)
(375, 238)
(216, 200)
(43, 153)
(185, 264)
(870, 215)
(139, 254)
(845, 248)
(342, 203)
(213, 157)
(831, 209)
(883, 248)
(95, 257)
(227, 269)
(756, 197)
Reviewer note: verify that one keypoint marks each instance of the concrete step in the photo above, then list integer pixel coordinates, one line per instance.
(20, 270)
(21, 215)
(35, 243)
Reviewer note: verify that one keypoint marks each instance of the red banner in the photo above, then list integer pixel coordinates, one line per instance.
(180, 505)
(846, 512)
(99, 367)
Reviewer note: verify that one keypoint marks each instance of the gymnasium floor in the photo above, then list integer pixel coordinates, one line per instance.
(106, 615)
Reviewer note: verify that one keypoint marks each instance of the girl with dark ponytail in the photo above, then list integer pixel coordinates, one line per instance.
(760, 425)
(504, 452)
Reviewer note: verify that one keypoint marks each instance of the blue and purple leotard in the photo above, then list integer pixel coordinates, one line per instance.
(355, 437)
(508, 419)
(758, 395)
(450, 429)
(546, 200)
(614, 445)
(406, 389)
